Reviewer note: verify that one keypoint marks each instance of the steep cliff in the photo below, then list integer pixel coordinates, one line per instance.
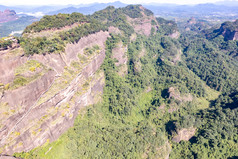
(55, 71)
(229, 30)
(45, 92)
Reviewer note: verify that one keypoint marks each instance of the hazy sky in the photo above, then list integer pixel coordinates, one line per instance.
(64, 2)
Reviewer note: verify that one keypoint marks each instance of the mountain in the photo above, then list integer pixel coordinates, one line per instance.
(199, 10)
(8, 15)
(16, 27)
(196, 25)
(88, 9)
(11, 23)
(231, 3)
(119, 83)
(229, 30)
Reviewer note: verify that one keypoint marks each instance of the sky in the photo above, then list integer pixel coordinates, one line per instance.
(65, 2)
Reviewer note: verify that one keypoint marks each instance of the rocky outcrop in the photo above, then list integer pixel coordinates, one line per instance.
(7, 66)
(162, 152)
(143, 24)
(41, 110)
(119, 53)
(196, 25)
(7, 16)
(175, 35)
(184, 134)
(230, 34)
(229, 30)
(174, 93)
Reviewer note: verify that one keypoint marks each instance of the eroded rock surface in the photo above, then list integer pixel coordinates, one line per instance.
(7, 16)
(44, 108)
(174, 93)
(142, 25)
(184, 134)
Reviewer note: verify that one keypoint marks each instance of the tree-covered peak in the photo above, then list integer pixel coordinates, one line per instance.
(56, 22)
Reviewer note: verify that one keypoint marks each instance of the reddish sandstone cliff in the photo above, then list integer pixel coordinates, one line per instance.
(53, 88)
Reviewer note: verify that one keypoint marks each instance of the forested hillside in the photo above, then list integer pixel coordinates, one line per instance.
(164, 96)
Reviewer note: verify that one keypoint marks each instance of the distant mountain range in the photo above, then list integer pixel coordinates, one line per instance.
(220, 11)
(89, 9)
(228, 7)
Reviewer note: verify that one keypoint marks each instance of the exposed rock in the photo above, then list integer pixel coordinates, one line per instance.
(7, 16)
(114, 30)
(230, 35)
(228, 29)
(138, 62)
(174, 93)
(14, 44)
(35, 116)
(177, 57)
(162, 152)
(51, 32)
(197, 25)
(133, 37)
(142, 25)
(119, 53)
(184, 134)
(72, 50)
(175, 35)
(8, 66)
(148, 89)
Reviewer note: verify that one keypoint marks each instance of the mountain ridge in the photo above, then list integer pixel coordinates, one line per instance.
(120, 83)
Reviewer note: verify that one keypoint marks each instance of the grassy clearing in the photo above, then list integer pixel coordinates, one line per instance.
(30, 65)
(14, 53)
(204, 102)
(20, 81)
(143, 101)
(26, 73)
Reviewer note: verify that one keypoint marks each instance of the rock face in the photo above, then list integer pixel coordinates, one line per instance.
(174, 93)
(142, 25)
(184, 134)
(7, 16)
(230, 34)
(229, 30)
(196, 25)
(119, 53)
(175, 35)
(41, 110)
